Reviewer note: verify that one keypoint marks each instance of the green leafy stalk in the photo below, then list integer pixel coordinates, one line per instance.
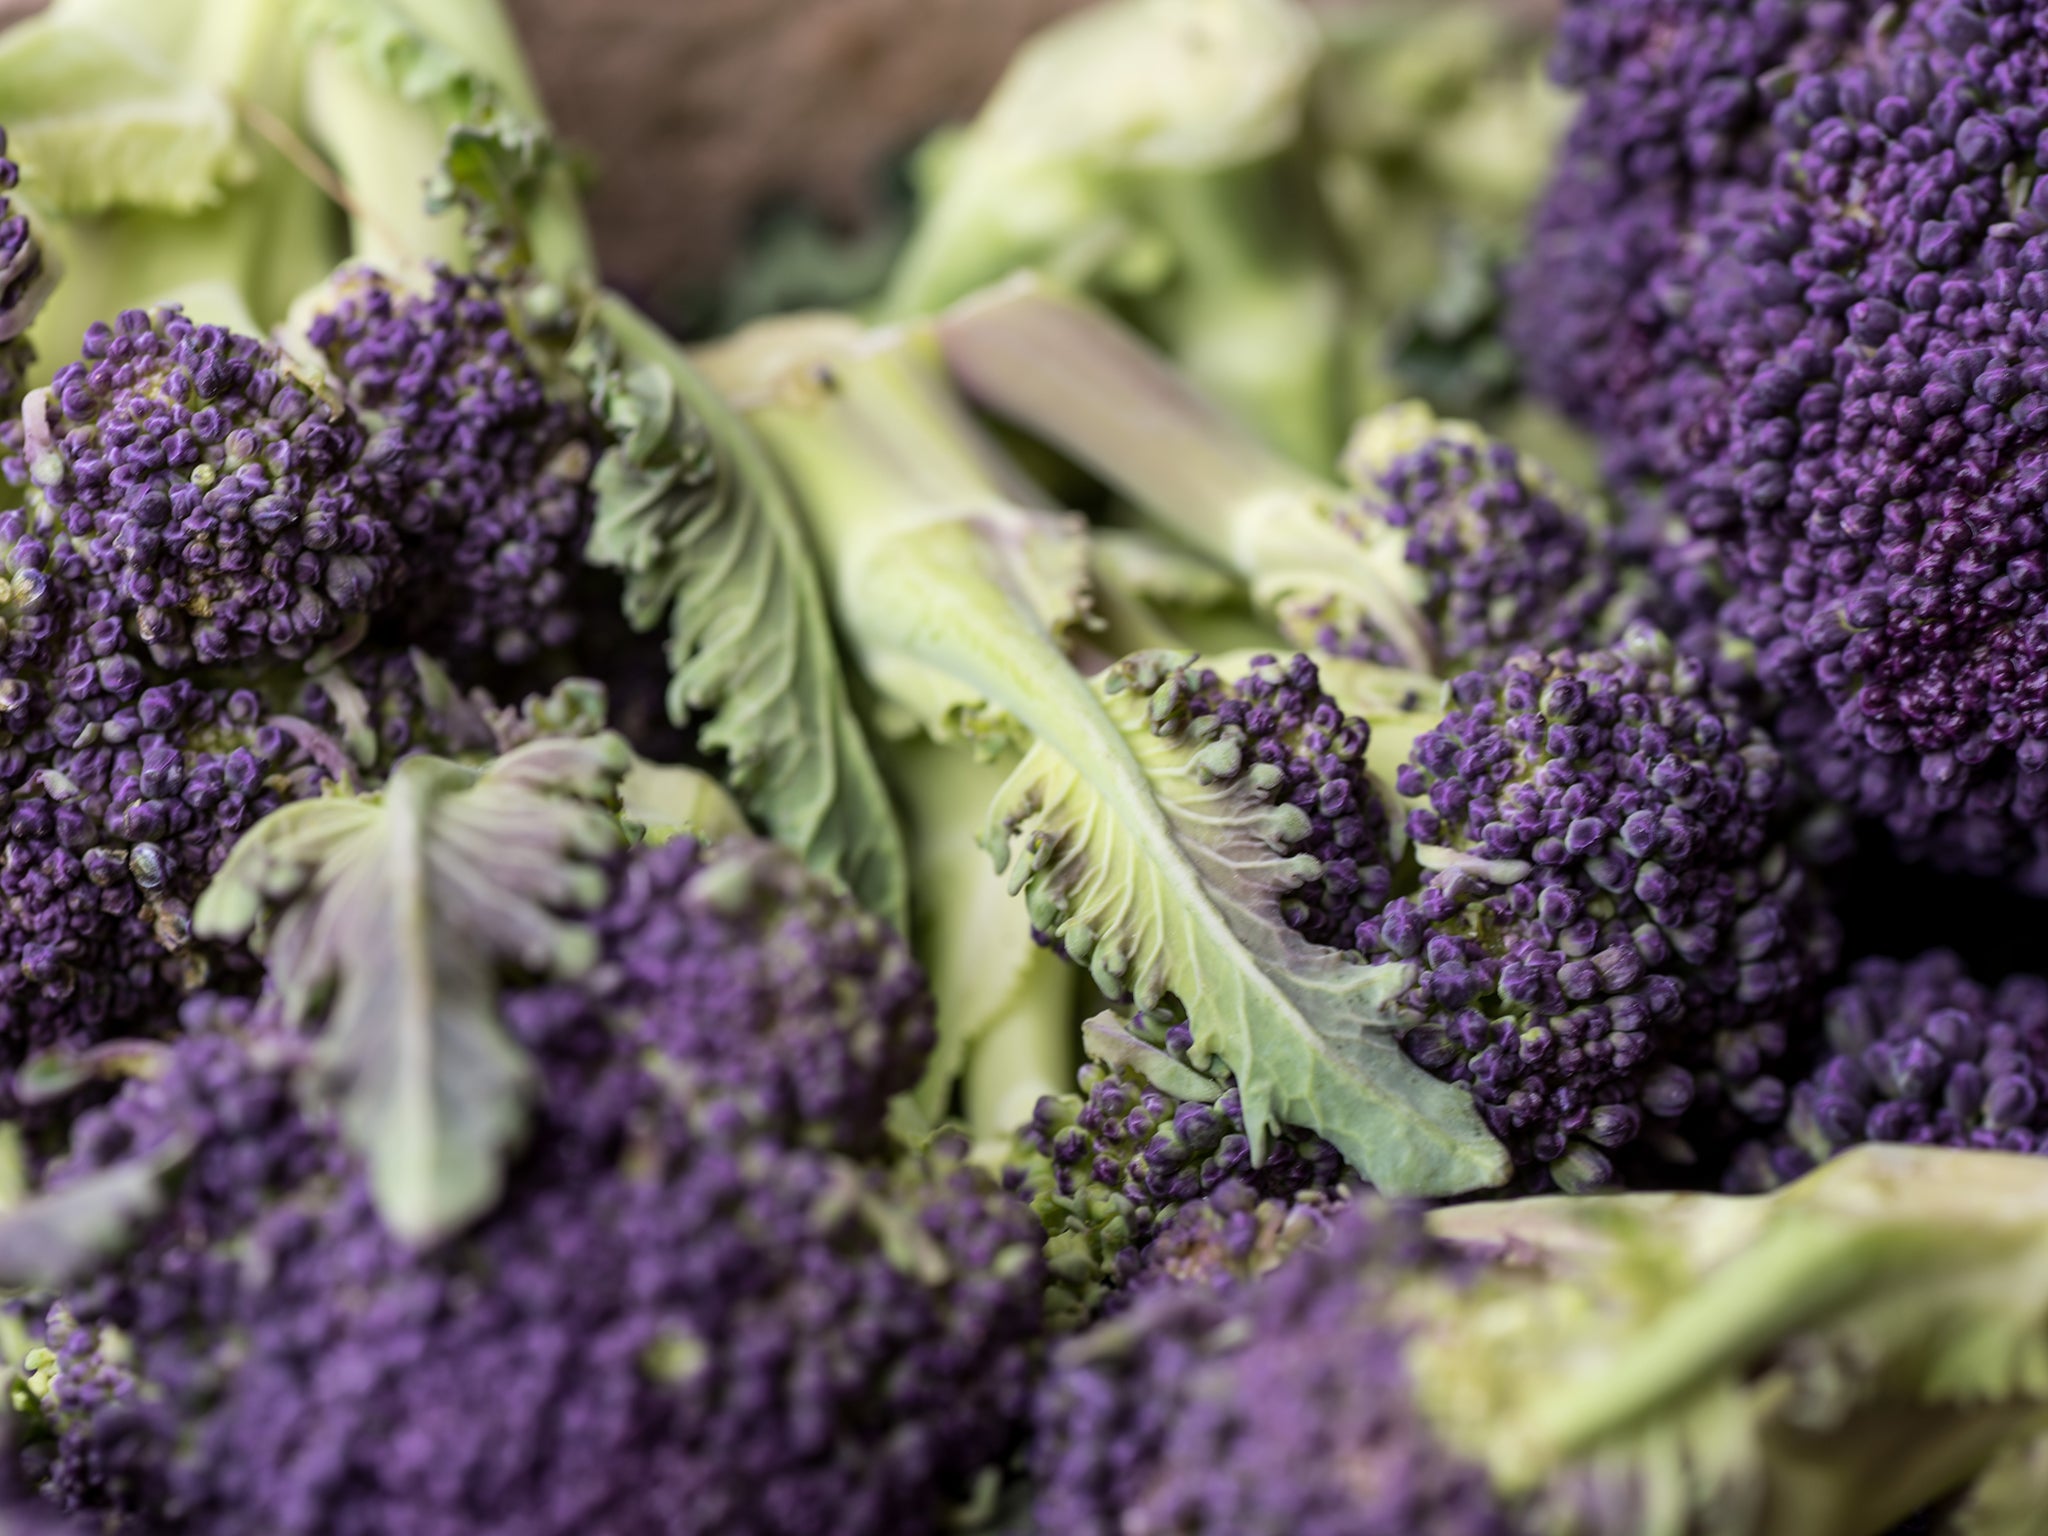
(694, 517)
(1071, 375)
(409, 98)
(1150, 851)
(1826, 1359)
(390, 917)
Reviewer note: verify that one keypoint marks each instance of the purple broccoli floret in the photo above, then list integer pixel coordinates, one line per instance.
(1917, 1052)
(490, 464)
(1508, 557)
(1147, 1134)
(1281, 1404)
(1793, 272)
(222, 502)
(688, 1313)
(1609, 940)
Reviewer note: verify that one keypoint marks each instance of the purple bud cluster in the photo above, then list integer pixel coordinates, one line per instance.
(125, 788)
(1917, 1052)
(220, 501)
(1278, 715)
(788, 998)
(1107, 1167)
(1278, 1404)
(684, 1316)
(1506, 561)
(21, 287)
(1607, 937)
(1232, 1235)
(1841, 372)
(489, 479)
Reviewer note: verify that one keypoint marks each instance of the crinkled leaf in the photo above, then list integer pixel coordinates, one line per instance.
(1197, 913)
(50, 1239)
(389, 918)
(693, 516)
(98, 123)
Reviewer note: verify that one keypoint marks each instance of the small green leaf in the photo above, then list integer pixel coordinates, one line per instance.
(389, 918)
(699, 524)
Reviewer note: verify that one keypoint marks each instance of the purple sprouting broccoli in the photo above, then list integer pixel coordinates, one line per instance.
(1609, 945)
(699, 1304)
(23, 283)
(1793, 272)
(1916, 1052)
(489, 464)
(1279, 1405)
(223, 503)
(1149, 1132)
(1443, 548)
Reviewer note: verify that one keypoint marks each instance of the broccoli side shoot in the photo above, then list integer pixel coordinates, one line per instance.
(489, 457)
(1444, 548)
(1151, 836)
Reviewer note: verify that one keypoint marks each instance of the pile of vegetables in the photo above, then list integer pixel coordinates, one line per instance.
(1192, 865)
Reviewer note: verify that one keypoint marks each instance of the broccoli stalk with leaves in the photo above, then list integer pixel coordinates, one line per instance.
(1445, 548)
(1824, 1362)
(1149, 829)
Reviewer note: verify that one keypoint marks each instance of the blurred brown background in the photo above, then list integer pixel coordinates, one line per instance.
(694, 113)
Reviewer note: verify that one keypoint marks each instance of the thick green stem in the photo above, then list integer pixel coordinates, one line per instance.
(1068, 373)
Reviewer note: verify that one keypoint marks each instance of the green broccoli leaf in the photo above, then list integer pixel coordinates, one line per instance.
(693, 516)
(390, 916)
(1310, 1034)
(1157, 854)
(1829, 1358)
(429, 115)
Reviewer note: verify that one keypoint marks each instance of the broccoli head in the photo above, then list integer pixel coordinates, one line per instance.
(224, 504)
(1608, 933)
(1148, 1134)
(1791, 270)
(692, 1309)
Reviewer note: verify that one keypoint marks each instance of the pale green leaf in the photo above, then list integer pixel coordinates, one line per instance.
(49, 1239)
(1310, 1035)
(389, 919)
(98, 124)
